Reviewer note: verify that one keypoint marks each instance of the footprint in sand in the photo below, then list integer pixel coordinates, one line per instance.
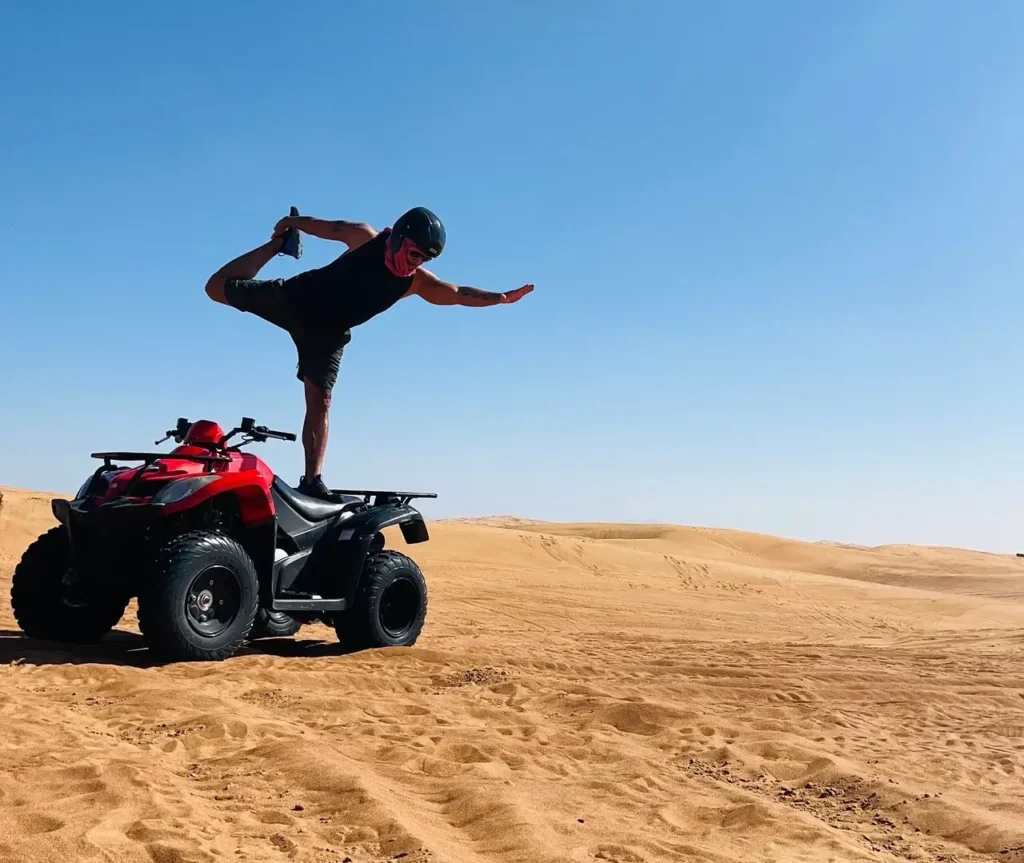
(36, 823)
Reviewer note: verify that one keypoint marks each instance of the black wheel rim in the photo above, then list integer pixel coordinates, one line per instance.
(213, 601)
(399, 606)
(72, 595)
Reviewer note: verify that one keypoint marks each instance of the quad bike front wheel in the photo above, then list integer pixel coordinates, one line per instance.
(390, 606)
(52, 601)
(200, 603)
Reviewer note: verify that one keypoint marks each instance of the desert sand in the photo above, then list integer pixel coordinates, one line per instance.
(580, 692)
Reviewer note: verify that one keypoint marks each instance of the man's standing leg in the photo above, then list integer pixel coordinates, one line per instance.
(319, 360)
(314, 430)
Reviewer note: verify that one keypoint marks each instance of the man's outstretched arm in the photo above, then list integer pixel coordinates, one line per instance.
(441, 293)
(352, 234)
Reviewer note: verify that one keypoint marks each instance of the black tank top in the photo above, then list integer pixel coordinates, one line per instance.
(348, 291)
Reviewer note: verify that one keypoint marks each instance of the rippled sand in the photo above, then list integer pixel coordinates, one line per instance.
(581, 692)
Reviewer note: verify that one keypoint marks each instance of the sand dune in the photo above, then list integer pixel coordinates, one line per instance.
(580, 693)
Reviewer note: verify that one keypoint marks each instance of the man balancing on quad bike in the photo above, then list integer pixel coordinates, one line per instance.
(319, 307)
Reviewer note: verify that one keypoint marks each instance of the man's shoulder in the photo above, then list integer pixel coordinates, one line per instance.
(359, 251)
(372, 239)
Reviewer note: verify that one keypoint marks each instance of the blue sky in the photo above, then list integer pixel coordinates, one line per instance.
(777, 250)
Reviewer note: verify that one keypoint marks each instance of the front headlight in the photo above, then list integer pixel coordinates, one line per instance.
(182, 488)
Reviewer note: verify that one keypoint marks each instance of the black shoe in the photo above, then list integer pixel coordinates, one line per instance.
(292, 243)
(317, 489)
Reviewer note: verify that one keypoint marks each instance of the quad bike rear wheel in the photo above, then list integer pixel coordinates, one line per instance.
(51, 601)
(200, 603)
(390, 606)
(274, 624)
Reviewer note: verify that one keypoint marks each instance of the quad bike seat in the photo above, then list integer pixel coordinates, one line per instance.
(312, 508)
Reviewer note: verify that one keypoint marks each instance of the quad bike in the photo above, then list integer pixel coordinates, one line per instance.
(218, 550)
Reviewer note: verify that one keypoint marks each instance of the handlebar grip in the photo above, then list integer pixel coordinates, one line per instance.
(279, 435)
(263, 433)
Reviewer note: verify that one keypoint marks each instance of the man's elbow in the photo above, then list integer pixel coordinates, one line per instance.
(443, 298)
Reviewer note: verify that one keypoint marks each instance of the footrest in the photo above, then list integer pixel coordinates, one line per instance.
(308, 604)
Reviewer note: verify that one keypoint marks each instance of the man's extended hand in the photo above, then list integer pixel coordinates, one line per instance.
(516, 295)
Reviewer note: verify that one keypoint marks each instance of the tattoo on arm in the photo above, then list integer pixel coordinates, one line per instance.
(340, 226)
(478, 297)
(351, 233)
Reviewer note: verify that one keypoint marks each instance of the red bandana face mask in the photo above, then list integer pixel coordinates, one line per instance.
(406, 260)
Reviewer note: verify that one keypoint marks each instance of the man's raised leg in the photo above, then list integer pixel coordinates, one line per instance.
(244, 267)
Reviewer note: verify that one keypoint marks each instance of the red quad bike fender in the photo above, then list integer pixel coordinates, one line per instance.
(248, 487)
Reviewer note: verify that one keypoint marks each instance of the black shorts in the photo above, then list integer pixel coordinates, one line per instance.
(319, 351)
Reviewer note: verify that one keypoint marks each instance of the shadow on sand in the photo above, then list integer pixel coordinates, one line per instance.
(120, 647)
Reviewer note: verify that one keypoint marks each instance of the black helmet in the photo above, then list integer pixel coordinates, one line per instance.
(423, 228)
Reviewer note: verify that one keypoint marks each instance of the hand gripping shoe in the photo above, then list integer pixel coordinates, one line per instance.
(292, 243)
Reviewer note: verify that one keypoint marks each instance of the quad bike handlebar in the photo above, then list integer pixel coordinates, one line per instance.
(256, 432)
(178, 433)
(248, 428)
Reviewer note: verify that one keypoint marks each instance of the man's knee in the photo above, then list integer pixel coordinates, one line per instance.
(215, 289)
(317, 398)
